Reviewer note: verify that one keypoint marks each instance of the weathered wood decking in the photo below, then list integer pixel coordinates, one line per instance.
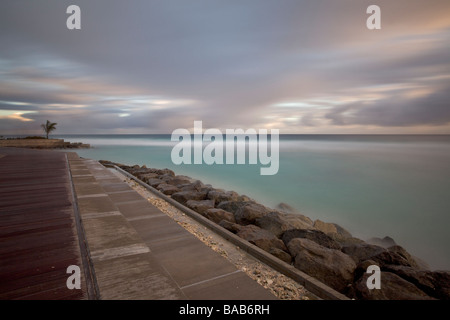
(38, 236)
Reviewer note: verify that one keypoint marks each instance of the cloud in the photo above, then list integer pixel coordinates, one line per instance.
(158, 65)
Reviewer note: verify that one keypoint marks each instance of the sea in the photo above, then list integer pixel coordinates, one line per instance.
(371, 185)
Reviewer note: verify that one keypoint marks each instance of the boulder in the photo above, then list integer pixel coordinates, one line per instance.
(184, 196)
(200, 206)
(390, 258)
(274, 223)
(147, 176)
(298, 221)
(218, 215)
(278, 223)
(314, 235)
(195, 186)
(325, 227)
(281, 254)
(362, 251)
(248, 213)
(167, 189)
(434, 283)
(405, 254)
(177, 180)
(286, 208)
(219, 195)
(233, 227)
(260, 237)
(232, 206)
(154, 182)
(330, 266)
(393, 287)
(386, 242)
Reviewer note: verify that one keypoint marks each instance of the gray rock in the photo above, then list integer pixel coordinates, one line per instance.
(177, 180)
(232, 206)
(154, 182)
(217, 215)
(248, 213)
(361, 252)
(167, 189)
(390, 258)
(260, 237)
(200, 206)
(219, 195)
(405, 254)
(393, 287)
(184, 196)
(330, 266)
(314, 235)
(274, 223)
(286, 208)
(386, 242)
(233, 227)
(281, 254)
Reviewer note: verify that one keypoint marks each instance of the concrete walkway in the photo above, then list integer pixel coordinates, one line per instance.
(138, 252)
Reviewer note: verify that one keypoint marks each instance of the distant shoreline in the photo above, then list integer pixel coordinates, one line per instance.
(41, 143)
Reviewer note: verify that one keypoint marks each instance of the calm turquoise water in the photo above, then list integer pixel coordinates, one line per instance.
(371, 185)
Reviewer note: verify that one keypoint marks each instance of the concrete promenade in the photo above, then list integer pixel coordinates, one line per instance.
(126, 247)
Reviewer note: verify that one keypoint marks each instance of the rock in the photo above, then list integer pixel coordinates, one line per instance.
(442, 284)
(200, 206)
(298, 221)
(405, 254)
(390, 258)
(233, 227)
(154, 182)
(330, 266)
(167, 189)
(278, 223)
(434, 283)
(386, 242)
(286, 208)
(232, 206)
(147, 176)
(325, 227)
(281, 254)
(342, 232)
(260, 237)
(422, 279)
(314, 235)
(195, 186)
(218, 215)
(393, 287)
(274, 223)
(248, 213)
(177, 180)
(219, 195)
(361, 252)
(184, 196)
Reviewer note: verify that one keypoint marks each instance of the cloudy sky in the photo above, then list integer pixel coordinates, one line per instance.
(156, 65)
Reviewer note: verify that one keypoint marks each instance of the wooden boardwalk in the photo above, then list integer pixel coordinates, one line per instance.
(38, 236)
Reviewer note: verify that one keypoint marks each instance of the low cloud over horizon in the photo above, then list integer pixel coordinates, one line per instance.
(155, 66)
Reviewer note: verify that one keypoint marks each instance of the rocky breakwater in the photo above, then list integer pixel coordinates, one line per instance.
(325, 251)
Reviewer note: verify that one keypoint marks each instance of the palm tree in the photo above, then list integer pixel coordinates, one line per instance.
(48, 127)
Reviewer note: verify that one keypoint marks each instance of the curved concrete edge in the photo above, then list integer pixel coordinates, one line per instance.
(311, 284)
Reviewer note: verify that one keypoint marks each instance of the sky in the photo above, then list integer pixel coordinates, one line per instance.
(307, 67)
